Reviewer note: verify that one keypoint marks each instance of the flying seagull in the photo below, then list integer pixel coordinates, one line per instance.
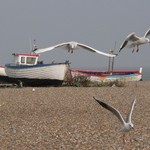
(71, 46)
(135, 41)
(127, 124)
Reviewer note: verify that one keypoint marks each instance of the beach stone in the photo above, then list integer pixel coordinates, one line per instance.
(69, 118)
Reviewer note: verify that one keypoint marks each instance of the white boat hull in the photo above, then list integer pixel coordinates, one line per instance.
(43, 73)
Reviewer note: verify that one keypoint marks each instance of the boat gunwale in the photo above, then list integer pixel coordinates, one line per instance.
(14, 66)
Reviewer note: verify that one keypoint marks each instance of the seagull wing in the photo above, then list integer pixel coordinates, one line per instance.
(123, 45)
(147, 33)
(42, 50)
(112, 109)
(50, 48)
(131, 37)
(128, 120)
(94, 50)
(61, 45)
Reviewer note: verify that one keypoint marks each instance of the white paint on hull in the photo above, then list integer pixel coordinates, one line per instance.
(56, 72)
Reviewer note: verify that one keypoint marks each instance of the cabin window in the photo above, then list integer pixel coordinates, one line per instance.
(31, 60)
(22, 60)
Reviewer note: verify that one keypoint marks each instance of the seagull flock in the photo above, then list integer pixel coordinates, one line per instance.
(71, 46)
(135, 43)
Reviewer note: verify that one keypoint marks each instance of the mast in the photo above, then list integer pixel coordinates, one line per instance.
(111, 60)
(35, 47)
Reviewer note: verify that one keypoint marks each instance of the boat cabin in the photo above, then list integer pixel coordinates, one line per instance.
(25, 59)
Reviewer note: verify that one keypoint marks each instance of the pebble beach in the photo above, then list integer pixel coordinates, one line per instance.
(68, 118)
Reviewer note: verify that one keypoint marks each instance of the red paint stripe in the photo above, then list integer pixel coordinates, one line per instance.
(2, 67)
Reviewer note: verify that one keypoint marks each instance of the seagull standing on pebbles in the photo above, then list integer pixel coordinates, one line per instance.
(127, 124)
(136, 41)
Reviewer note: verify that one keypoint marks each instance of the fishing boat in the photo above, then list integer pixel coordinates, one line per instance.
(29, 71)
(108, 76)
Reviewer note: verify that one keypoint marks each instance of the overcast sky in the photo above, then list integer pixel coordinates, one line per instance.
(97, 23)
